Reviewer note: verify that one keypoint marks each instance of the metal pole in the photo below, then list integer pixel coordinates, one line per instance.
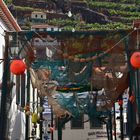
(107, 130)
(28, 103)
(130, 114)
(51, 122)
(5, 90)
(114, 122)
(110, 125)
(59, 129)
(41, 122)
(121, 120)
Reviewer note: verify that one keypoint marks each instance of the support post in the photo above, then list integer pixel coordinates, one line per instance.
(51, 122)
(110, 125)
(28, 103)
(121, 120)
(107, 131)
(114, 109)
(59, 129)
(130, 115)
(41, 119)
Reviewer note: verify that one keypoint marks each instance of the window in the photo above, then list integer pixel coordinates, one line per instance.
(96, 123)
(77, 123)
(41, 16)
(36, 16)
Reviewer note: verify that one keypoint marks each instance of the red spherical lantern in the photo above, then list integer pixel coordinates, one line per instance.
(120, 102)
(17, 67)
(135, 60)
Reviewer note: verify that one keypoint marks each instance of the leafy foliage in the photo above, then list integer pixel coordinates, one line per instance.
(69, 25)
(120, 13)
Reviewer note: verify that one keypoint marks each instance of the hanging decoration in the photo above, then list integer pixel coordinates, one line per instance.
(73, 88)
(120, 102)
(135, 60)
(35, 118)
(69, 68)
(27, 110)
(17, 67)
(132, 98)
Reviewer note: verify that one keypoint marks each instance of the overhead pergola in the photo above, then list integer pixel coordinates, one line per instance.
(69, 63)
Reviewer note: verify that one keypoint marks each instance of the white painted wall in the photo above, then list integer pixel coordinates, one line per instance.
(82, 134)
(16, 118)
(2, 44)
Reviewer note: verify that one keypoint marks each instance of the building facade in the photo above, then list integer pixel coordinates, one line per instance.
(7, 23)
